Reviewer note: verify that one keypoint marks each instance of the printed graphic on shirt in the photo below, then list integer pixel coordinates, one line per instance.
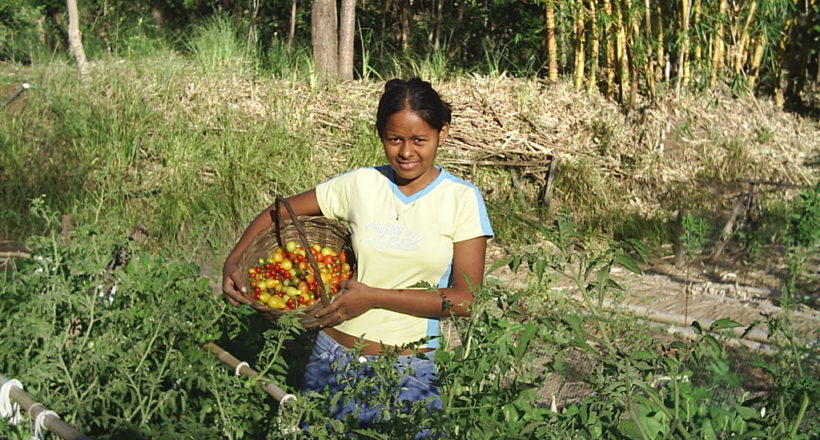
(395, 236)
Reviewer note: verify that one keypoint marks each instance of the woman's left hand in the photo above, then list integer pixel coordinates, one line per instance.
(352, 300)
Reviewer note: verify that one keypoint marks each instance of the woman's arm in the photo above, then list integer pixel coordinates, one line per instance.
(233, 284)
(468, 275)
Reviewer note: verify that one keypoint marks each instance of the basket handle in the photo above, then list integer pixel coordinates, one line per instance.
(305, 244)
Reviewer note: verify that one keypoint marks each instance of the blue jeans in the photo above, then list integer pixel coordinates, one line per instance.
(335, 367)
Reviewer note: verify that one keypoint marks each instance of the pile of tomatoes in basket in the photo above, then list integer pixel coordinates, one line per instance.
(285, 280)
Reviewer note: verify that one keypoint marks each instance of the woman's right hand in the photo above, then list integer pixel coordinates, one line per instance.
(232, 286)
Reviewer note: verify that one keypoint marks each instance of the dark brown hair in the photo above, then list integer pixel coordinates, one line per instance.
(415, 95)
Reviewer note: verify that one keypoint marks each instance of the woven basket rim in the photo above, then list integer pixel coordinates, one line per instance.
(317, 229)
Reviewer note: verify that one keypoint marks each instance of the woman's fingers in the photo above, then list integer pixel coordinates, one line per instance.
(234, 292)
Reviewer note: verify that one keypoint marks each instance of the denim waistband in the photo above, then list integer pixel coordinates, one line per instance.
(328, 344)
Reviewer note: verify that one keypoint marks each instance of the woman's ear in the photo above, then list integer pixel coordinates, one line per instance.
(442, 134)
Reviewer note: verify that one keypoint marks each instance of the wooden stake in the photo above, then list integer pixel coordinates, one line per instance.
(228, 359)
(33, 409)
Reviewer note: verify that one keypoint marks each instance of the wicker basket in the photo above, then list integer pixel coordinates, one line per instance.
(305, 230)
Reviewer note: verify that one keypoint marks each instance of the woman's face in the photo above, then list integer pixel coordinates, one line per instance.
(410, 145)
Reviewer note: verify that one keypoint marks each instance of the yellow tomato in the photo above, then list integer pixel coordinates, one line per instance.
(286, 264)
(275, 302)
(264, 297)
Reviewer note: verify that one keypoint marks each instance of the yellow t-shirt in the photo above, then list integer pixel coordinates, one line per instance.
(402, 240)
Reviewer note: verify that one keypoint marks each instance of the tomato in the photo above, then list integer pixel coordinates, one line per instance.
(286, 264)
(328, 259)
(310, 279)
(316, 247)
(276, 302)
(278, 257)
(292, 291)
(290, 303)
(310, 302)
(291, 246)
(328, 251)
(343, 256)
(264, 297)
(325, 277)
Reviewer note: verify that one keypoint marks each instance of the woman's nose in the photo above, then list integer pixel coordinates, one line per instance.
(404, 150)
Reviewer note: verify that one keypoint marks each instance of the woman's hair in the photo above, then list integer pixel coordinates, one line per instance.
(415, 95)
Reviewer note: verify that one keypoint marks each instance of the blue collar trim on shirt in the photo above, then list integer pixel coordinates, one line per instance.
(412, 198)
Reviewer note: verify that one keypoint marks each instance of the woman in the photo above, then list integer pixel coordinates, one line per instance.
(411, 221)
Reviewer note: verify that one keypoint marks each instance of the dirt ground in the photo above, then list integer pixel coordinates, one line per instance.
(702, 290)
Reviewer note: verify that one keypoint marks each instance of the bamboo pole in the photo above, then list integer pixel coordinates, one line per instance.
(609, 51)
(594, 47)
(663, 71)
(51, 422)
(552, 47)
(621, 52)
(741, 51)
(580, 40)
(649, 64)
(683, 76)
(697, 58)
(242, 368)
(757, 57)
(718, 44)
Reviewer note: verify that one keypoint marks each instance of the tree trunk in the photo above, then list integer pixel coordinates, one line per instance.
(437, 25)
(292, 24)
(404, 18)
(552, 47)
(75, 41)
(324, 37)
(347, 27)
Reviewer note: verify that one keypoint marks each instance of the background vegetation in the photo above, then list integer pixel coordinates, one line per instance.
(195, 115)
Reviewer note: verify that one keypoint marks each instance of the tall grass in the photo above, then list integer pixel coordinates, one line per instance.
(216, 45)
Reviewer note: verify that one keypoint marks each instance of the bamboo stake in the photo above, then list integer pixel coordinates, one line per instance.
(242, 368)
(51, 422)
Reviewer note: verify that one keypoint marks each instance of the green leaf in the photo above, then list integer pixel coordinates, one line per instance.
(630, 429)
(499, 263)
(747, 413)
(724, 323)
(628, 263)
